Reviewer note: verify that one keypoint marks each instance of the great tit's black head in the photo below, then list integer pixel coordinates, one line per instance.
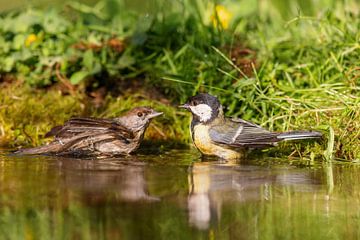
(203, 106)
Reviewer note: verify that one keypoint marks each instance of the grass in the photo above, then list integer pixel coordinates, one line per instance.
(27, 114)
(269, 63)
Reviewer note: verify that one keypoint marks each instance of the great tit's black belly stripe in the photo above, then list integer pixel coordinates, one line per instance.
(192, 125)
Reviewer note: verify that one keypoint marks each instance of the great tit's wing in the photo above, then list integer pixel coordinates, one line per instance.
(85, 126)
(240, 133)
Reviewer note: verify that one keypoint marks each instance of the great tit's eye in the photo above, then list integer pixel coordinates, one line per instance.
(194, 103)
(140, 114)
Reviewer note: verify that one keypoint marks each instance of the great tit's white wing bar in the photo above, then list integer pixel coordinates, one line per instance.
(242, 121)
(242, 134)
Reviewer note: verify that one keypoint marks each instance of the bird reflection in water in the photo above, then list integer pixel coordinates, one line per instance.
(211, 184)
(199, 200)
(100, 181)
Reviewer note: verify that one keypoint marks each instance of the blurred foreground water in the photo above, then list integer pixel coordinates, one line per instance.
(175, 195)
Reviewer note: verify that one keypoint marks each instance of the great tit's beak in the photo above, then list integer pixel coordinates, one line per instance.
(154, 114)
(185, 106)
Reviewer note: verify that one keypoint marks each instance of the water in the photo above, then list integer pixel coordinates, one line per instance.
(175, 195)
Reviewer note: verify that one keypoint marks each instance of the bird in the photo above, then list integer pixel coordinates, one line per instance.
(86, 136)
(213, 134)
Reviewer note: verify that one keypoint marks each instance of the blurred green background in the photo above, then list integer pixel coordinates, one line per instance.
(283, 8)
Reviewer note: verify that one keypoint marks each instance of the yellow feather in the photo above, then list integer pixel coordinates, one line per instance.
(203, 142)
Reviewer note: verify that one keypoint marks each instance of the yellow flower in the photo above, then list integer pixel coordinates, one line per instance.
(222, 15)
(30, 39)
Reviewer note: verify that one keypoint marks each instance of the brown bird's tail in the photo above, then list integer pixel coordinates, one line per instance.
(50, 148)
(298, 135)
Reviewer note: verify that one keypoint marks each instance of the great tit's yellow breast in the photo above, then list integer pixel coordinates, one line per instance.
(203, 142)
(202, 139)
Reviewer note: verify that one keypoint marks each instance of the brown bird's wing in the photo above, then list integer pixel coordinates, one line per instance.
(85, 126)
(240, 133)
(82, 135)
(87, 142)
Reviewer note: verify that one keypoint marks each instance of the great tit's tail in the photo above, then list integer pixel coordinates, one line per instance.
(50, 148)
(298, 135)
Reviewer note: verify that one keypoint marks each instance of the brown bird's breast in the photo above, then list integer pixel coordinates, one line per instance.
(119, 146)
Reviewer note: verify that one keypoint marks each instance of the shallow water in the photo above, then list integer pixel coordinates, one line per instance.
(175, 195)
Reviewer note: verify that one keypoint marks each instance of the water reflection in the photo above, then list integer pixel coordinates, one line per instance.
(199, 200)
(175, 196)
(211, 184)
(101, 180)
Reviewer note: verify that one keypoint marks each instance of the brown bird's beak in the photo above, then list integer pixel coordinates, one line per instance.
(154, 114)
(185, 105)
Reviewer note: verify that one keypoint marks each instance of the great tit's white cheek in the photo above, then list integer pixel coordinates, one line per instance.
(203, 111)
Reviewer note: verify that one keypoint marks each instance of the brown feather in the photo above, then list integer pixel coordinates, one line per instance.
(76, 126)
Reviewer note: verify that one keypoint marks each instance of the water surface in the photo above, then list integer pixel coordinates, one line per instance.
(176, 195)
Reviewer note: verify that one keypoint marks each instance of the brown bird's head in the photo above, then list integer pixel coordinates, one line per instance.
(138, 118)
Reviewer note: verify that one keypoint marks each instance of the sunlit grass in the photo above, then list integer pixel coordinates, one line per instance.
(27, 114)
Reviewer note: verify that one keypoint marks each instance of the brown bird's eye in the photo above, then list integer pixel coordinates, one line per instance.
(140, 114)
(194, 103)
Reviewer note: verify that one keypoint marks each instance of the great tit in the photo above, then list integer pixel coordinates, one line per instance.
(228, 138)
(81, 136)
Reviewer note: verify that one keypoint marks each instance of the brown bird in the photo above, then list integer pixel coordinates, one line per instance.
(82, 136)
